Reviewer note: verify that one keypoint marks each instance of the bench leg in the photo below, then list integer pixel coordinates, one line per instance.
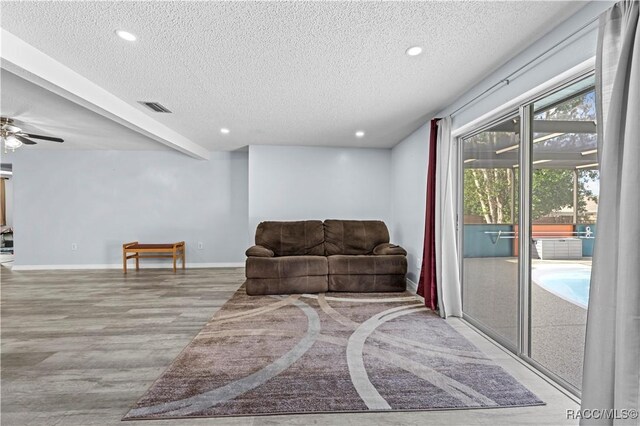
(174, 260)
(183, 257)
(124, 261)
(137, 262)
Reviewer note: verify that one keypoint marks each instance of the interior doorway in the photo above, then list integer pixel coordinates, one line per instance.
(6, 215)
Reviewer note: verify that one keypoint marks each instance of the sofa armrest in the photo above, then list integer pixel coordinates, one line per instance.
(387, 249)
(259, 251)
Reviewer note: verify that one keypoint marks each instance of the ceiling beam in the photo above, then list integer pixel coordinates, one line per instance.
(514, 155)
(504, 164)
(35, 66)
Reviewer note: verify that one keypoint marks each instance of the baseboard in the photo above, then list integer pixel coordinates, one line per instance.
(411, 286)
(119, 266)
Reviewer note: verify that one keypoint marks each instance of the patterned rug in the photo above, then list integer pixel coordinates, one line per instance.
(334, 352)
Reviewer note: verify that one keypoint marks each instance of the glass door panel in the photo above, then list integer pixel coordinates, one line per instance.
(490, 256)
(564, 194)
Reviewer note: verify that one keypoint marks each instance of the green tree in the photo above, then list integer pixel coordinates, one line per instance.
(488, 192)
(551, 190)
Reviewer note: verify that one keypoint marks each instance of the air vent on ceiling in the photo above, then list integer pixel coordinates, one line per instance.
(155, 106)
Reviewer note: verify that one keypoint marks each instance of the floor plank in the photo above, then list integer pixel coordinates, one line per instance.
(80, 347)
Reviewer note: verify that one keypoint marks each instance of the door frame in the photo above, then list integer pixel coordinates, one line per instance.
(525, 112)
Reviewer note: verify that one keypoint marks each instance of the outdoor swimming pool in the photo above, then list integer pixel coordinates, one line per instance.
(570, 281)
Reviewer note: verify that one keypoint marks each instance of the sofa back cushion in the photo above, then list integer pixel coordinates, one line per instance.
(353, 236)
(303, 238)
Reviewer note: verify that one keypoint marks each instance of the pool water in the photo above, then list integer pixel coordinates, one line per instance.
(570, 282)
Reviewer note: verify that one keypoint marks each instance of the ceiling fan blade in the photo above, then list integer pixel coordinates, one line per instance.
(46, 138)
(24, 140)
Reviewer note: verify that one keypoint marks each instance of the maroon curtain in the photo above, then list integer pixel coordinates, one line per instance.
(427, 287)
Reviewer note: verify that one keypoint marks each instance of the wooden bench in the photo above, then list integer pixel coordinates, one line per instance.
(142, 251)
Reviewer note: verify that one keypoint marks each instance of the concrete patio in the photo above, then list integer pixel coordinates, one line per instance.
(490, 296)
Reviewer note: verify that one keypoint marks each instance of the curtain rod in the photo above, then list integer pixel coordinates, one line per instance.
(506, 80)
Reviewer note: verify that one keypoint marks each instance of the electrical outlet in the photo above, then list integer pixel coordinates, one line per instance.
(74, 246)
(200, 245)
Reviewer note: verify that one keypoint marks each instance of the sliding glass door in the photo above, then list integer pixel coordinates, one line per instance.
(564, 197)
(490, 192)
(532, 295)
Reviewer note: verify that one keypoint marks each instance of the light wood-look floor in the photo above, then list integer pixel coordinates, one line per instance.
(79, 347)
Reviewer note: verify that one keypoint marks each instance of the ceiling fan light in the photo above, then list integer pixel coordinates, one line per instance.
(12, 142)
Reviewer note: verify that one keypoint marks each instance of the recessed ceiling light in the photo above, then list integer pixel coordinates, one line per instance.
(591, 151)
(414, 51)
(126, 35)
(360, 134)
(225, 131)
(469, 160)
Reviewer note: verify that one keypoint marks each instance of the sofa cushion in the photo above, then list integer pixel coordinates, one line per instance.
(367, 265)
(292, 285)
(367, 283)
(353, 236)
(300, 238)
(286, 266)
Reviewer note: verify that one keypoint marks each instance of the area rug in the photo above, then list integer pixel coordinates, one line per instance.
(334, 352)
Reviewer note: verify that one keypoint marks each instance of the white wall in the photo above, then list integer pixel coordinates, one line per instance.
(299, 183)
(409, 176)
(409, 157)
(100, 199)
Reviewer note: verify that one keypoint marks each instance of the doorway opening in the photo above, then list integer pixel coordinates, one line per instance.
(6, 215)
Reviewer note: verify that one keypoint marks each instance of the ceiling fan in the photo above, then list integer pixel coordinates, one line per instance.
(14, 137)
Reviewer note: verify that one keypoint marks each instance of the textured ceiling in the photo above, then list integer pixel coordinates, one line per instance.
(37, 110)
(286, 73)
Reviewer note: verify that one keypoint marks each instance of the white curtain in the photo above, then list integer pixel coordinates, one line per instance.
(612, 353)
(447, 262)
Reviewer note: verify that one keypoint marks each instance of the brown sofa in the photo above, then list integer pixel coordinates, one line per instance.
(315, 257)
